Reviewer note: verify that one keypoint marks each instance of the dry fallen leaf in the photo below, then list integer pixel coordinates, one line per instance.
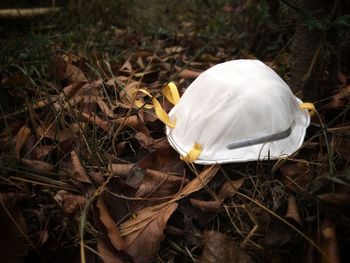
(93, 119)
(21, 138)
(77, 170)
(38, 165)
(163, 159)
(108, 254)
(339, 200)
(50, 130)
(74, 74)
(280, 234)
(228, 189)
(329, 243)
(340, 99)
(157, 187)
(69, 202)
(134, 122)
(221, 248)
(296, 175)
(111, 227)
(182, 72)
(144, 140)
(122, 170)
(144, 233)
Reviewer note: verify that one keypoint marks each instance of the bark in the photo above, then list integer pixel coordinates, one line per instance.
(313, 64)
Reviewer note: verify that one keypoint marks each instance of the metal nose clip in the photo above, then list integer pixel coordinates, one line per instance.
(268, 138)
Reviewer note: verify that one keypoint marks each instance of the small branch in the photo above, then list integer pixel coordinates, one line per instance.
(27, 12)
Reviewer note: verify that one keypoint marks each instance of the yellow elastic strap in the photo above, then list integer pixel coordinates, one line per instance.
(161, 114)
(193, 154)
(139, 103)
(308, 106)
(171, 92)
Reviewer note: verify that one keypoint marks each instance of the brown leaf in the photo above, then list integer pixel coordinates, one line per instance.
(93, 119)
(340, 99)
(279, 233)
(342, 79)
(104, 107)
(74, 74)
(126, 93)
(69, 202)
(78, 171)
(126, 67)
(292, 209)
(157, 187)
(21, 138)
(38, 165)
(182, 72)
(134, 122)
(118, 169)
(342, 148)
(339, 200)
(228, 189)
(108, 255)
(221, 248)
(329, 243)
(296, 175)
(144, 233)
(40, 152)
(163, 159)
(200, 181)
(144, 140)
(206, 206)
(111, 227)
(50, 130)
(71, 90)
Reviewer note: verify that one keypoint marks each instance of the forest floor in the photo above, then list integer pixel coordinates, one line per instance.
(86, 173)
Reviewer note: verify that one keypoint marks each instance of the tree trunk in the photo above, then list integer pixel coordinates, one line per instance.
(313, 66)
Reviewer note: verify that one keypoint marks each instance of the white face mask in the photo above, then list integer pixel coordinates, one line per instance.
(238, 111)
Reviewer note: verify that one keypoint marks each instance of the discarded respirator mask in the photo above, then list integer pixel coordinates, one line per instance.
(236, 111)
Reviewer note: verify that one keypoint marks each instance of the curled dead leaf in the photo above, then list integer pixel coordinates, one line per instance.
(292, 209)
(21, 138)
(329, 243)
(38, 165)
(206, 206)
(78, 171)
(228, 189)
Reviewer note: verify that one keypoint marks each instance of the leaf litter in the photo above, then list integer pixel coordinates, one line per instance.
(85, 143)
